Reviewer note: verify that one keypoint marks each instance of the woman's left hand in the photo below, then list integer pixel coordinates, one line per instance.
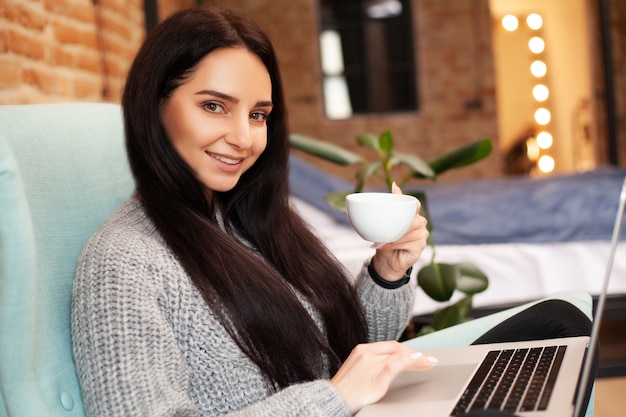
(393, 259)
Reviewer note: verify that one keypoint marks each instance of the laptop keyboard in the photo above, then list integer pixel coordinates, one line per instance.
(513, 380)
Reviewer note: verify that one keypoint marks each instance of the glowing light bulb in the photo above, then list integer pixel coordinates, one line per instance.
(534, 21)
(541, 92)
(536, 45)
(538, 68)
(542, 116)
(544, 140)
(510, 22)
(532, 150)
(546, 164)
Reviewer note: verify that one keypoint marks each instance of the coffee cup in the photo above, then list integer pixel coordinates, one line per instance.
(381, 217)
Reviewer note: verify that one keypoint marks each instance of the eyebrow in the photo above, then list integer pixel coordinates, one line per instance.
(232, 99)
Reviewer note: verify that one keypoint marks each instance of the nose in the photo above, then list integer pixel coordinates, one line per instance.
(240, 135)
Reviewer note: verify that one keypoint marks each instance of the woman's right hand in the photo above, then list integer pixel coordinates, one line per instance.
(365, 376)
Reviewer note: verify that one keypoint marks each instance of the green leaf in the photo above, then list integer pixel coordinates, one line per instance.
(438, 280)
(415, 163)
(368, 140)
(324, 150)
(471, 280)
(454, 314)
(385, 141)
(365, 172)
(337, 200)
(460, 157)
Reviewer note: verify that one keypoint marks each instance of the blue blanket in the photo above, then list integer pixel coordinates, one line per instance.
(560, 208)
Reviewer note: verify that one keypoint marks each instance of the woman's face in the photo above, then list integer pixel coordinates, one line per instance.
(216, 119)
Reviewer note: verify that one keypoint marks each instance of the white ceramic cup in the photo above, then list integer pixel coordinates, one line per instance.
(381, 217)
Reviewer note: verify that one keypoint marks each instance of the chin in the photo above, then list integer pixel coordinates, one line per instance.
(219, 182)
(222, 187)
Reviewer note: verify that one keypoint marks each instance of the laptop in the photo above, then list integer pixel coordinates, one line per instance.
(527, 379)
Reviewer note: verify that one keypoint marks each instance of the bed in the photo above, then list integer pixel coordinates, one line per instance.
(532, 237)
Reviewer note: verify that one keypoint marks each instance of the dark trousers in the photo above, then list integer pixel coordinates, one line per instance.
(546, 320)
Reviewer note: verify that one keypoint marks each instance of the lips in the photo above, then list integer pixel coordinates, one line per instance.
(226, 160)
(229, 164)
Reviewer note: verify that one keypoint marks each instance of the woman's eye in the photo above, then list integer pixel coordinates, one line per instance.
(259, 117)
(213, 107)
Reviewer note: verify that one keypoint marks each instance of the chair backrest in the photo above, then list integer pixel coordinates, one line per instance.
(63, 171)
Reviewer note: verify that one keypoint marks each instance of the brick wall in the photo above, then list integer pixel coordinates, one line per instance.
(53, 50)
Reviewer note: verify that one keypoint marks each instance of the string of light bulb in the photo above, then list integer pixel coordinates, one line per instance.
(538, 147)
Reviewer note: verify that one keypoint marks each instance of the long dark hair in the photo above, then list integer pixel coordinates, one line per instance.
(254, 296)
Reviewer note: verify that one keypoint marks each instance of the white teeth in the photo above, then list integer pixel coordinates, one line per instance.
(226, 160)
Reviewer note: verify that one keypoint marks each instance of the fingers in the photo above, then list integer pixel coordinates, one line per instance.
(417, 233)
(421, 362)
(367, 373)
(381, 348)
(393, 259)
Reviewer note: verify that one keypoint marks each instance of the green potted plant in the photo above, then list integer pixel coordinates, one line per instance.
(438, 280)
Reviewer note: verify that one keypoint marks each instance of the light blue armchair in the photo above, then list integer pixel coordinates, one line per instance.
(63, 170)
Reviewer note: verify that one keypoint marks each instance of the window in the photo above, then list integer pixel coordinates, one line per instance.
(368, 61)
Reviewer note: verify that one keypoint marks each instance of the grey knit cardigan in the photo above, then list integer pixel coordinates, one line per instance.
(146, 344)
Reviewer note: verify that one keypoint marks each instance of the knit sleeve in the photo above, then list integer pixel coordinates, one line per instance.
(387, 311)
(126, 355)
(309, 399)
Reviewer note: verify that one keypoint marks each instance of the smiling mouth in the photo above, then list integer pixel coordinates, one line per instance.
(225, 159)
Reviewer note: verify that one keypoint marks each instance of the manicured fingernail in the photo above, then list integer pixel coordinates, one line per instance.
(377, 245)
(432, 359)
(417, 355)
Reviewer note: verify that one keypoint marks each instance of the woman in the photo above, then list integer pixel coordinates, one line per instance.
(206, 291)
(205, 294)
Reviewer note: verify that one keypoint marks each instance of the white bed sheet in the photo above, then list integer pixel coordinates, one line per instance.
(517, 272)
